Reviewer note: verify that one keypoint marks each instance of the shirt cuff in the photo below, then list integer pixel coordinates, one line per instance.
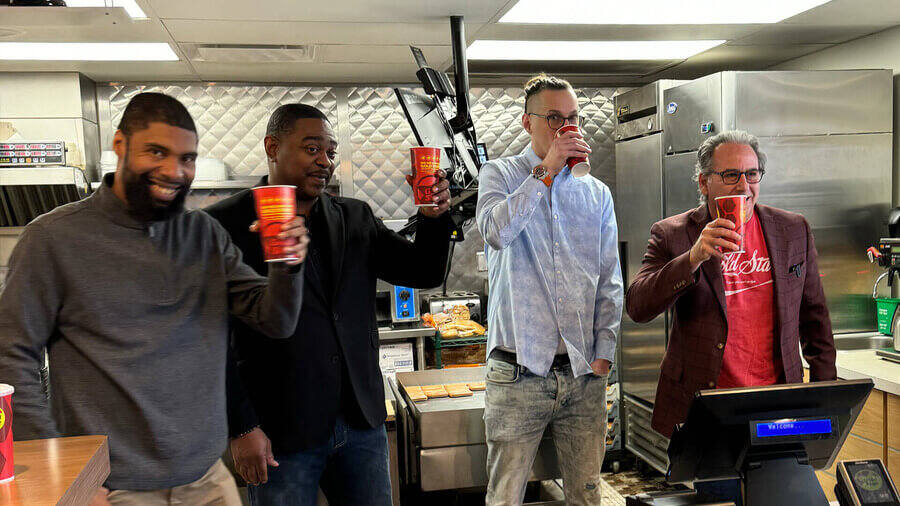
(605, 345)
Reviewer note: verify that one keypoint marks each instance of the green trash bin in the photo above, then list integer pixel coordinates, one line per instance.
(885, 307)
(884, 311)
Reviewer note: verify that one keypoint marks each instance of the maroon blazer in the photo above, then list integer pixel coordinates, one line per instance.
(699, 324)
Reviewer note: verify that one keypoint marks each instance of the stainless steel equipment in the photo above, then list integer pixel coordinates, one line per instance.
(445, 441)
(26, 194)
(436, 303)
(827, 135)
(640, 195)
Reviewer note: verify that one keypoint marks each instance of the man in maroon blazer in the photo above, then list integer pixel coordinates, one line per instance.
(739, 319)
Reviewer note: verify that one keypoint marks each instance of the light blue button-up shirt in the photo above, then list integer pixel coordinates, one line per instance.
(553, 264)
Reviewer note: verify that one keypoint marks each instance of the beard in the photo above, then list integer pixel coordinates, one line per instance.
(141, 204)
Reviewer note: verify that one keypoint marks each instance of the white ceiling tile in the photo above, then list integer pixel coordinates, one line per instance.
(729, 57)
(379, 54)
(213, 31)
(109, 71)
(851, 12)
(310, 73)
(509, 31)
(807, 34)
(370, 11)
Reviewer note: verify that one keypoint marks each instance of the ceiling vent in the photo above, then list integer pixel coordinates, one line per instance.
(251, 53)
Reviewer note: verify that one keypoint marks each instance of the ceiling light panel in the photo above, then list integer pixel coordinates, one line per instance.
(130, 6)
(656, 12)
(591, 50)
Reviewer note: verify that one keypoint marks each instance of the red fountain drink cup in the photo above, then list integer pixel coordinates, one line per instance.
(734, 208)
(577, 164)
(6, 435)
(425, 164)
(275, 206)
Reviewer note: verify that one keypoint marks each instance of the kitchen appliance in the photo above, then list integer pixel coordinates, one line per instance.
(404, 304)
(437, 303)
(34, 180)
(639, 204)
(396, 305)
(828, 139)
(444, 440)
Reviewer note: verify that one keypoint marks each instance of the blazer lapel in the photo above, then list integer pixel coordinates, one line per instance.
(337, 237)
(773, 236)
(712, 269)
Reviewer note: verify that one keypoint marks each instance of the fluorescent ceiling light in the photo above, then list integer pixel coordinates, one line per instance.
(87, 51)
(587, 50)
(131, 6)
(656, 12)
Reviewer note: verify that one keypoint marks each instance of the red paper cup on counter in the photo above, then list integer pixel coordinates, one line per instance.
(425, 164)
(275, 206)
(6, 435)
(734, 209)
(577, 164)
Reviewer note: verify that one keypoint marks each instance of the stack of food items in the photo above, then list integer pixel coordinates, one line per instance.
(425, 392)
(456, 322)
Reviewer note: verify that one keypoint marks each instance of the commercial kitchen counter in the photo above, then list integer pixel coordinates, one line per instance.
(445, 446)
(61, 471)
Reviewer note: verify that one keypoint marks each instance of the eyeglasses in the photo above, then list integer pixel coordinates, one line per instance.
(556, 121)
(732, 176)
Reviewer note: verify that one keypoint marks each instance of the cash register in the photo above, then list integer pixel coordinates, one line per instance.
(773, 438)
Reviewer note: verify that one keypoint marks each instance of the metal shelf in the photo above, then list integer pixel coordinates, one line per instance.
(440, 344)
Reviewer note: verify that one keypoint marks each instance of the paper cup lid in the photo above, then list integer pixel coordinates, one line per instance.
(6, 389)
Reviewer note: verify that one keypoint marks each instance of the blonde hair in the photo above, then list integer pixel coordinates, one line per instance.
(543, 82)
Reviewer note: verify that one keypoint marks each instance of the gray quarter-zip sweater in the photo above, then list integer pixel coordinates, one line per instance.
(134, 317)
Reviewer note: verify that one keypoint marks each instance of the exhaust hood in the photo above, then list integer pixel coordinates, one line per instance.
(28, 189)
(26, 193)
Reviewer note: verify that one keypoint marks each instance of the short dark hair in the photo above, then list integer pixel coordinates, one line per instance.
(284, 118)
(543, 82)
(146, 108)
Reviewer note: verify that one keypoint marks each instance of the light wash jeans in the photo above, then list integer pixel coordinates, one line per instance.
(519, 406)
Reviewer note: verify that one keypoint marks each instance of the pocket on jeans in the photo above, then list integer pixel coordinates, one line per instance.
(501, 372)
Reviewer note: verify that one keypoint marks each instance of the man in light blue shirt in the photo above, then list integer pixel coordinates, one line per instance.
(555, 303)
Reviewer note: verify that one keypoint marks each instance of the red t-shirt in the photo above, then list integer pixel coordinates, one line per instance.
(752, 357)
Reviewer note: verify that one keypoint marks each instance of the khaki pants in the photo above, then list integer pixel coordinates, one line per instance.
(215, 488)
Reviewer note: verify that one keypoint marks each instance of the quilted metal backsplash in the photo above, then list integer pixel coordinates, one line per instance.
(231, 120)
(375, 140)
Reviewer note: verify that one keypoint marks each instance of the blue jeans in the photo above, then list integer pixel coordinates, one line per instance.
(519, 406)
(352, 469)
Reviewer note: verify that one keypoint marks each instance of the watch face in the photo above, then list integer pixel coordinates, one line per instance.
(540, 172)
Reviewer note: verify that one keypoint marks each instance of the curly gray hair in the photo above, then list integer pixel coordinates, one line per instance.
(705, 153)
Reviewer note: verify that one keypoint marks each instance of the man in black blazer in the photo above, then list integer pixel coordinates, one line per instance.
(319, 395)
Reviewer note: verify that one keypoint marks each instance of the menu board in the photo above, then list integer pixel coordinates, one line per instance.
(32, 153)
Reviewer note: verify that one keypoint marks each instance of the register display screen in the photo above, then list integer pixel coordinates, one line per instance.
(794, 428)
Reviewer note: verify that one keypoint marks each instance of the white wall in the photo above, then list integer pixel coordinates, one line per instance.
(877, 51)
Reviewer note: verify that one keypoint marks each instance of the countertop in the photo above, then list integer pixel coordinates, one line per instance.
(857, 364)
(61, 471)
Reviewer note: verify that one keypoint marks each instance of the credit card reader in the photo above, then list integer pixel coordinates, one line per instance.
(865, 483)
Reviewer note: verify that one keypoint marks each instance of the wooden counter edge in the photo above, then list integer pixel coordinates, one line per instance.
(91, 477)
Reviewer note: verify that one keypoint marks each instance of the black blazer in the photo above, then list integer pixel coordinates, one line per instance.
(291, 387)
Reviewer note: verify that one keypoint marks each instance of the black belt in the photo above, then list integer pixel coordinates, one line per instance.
(559, 361)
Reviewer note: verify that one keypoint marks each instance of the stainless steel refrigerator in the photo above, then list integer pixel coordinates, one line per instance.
(639, 204)
(828, 139)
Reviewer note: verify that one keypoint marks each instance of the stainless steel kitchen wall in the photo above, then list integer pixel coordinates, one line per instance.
(373, 134)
